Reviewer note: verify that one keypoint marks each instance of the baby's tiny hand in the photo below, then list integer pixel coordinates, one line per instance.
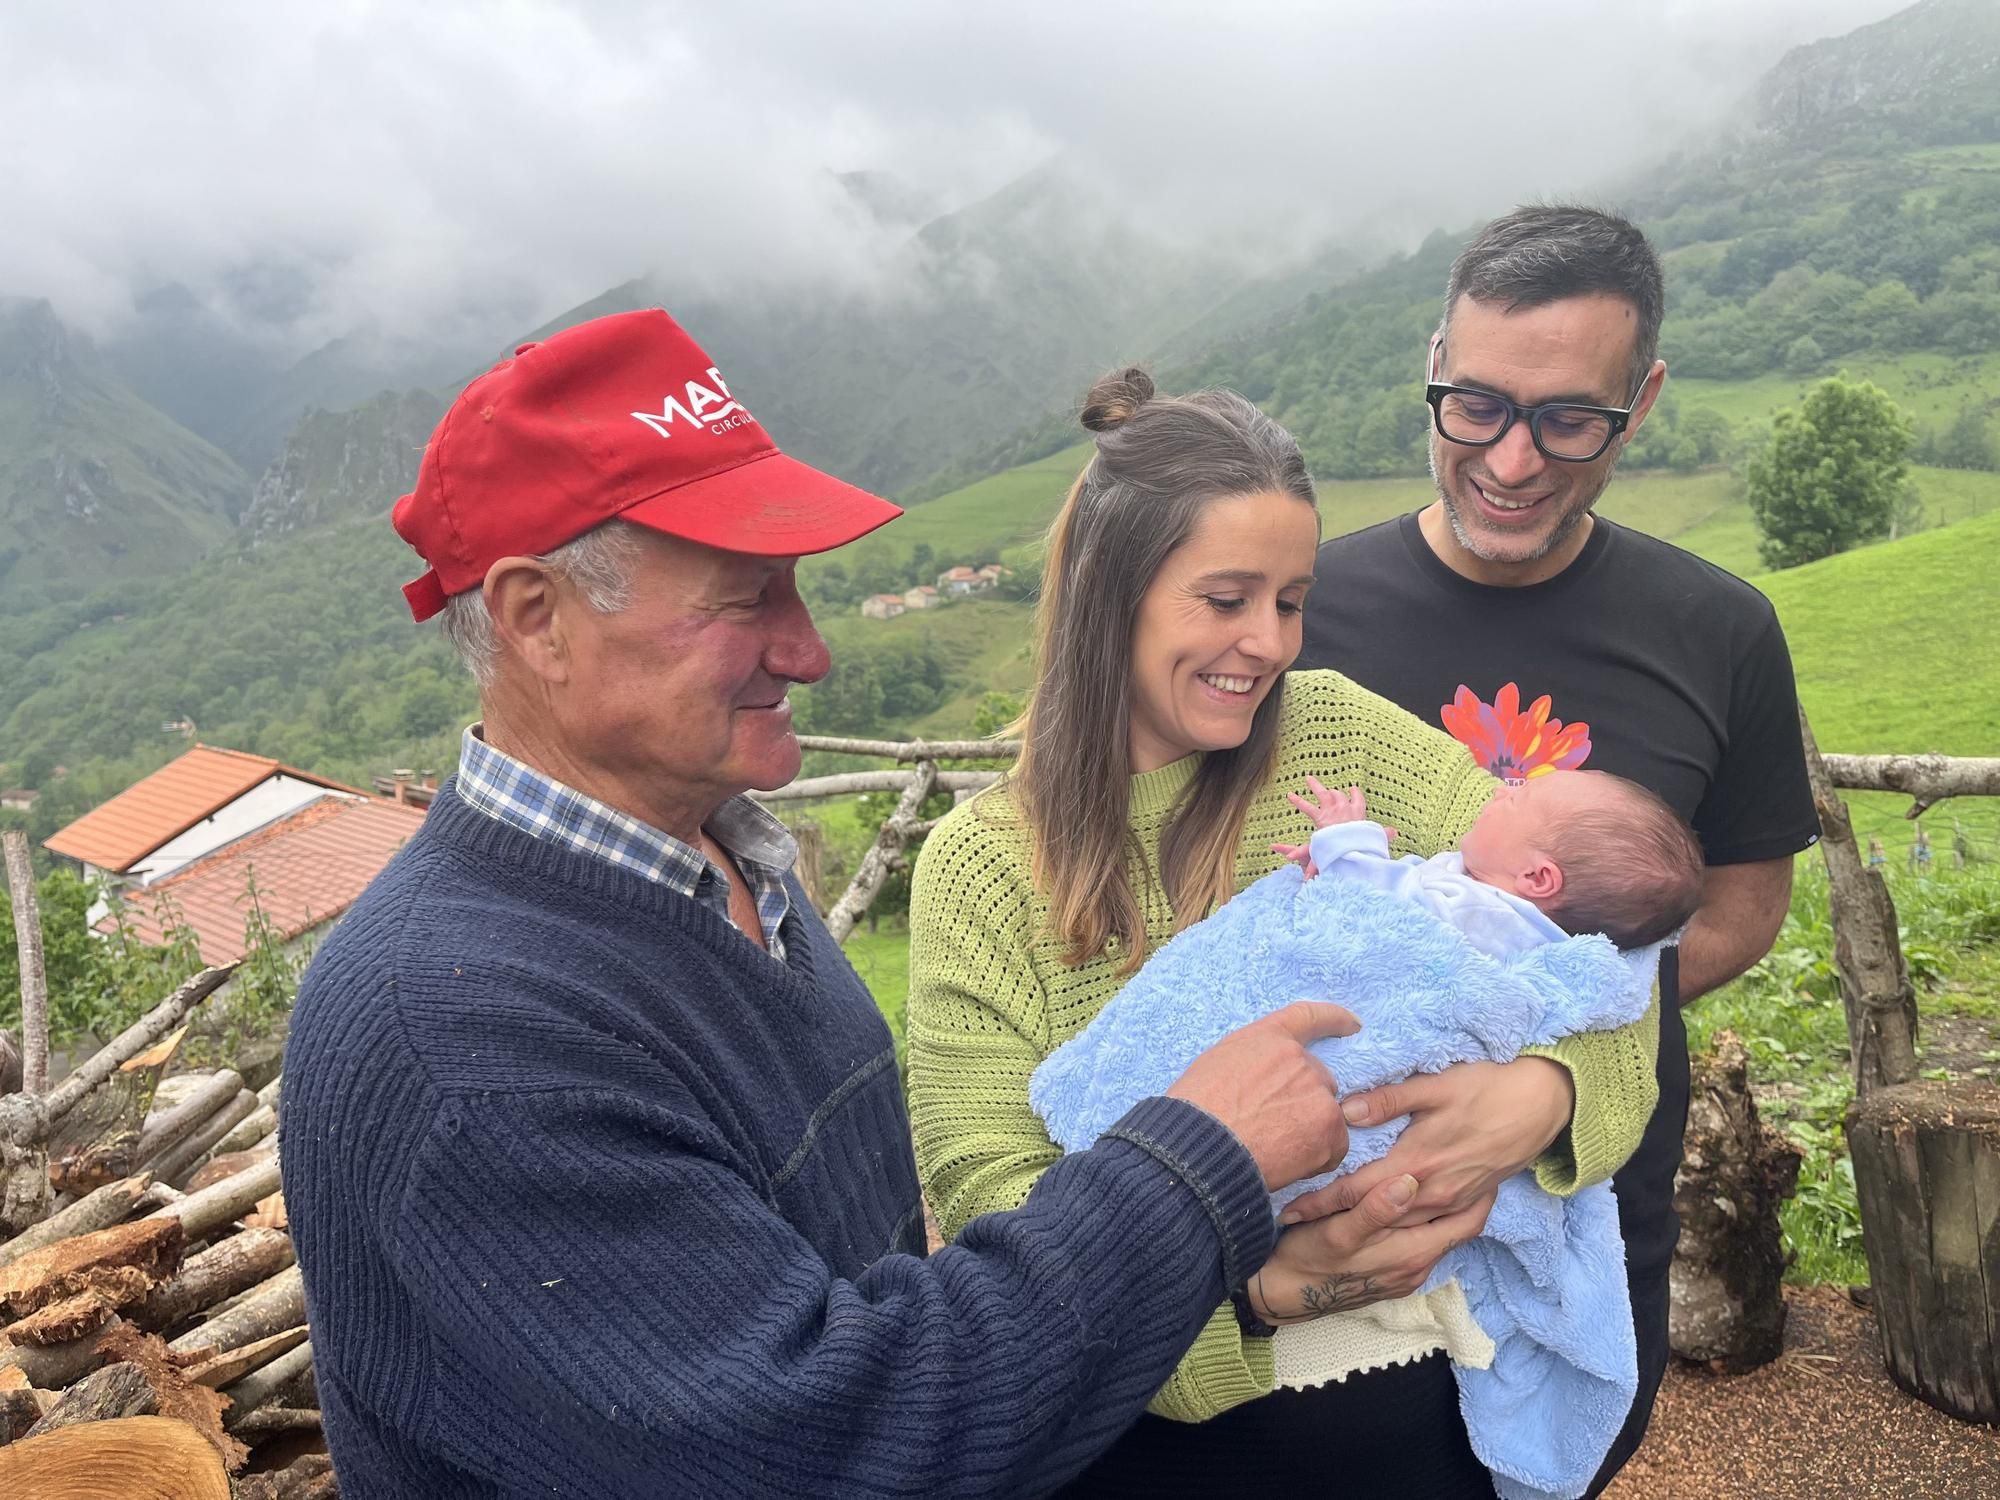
(1300, 855)
(1327, 807)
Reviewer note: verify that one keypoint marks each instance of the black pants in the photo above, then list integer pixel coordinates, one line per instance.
(1389, 1433)
(1649, 1323)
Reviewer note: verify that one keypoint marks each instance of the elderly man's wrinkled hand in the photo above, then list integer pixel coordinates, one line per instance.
(1279, 1100)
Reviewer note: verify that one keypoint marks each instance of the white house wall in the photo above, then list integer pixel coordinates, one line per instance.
(264, 803)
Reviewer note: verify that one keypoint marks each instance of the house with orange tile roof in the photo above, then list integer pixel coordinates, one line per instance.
(309, 866)
(193, 805)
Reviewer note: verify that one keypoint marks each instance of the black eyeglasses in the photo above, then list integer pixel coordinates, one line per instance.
(1562, 430)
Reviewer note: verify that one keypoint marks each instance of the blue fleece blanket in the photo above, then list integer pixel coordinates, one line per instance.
(1546, 1281)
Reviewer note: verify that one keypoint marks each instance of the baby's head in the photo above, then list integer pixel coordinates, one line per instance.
(1594, 852)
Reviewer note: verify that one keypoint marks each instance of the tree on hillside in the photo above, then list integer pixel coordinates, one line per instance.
(1832, 475)
(1966, 443)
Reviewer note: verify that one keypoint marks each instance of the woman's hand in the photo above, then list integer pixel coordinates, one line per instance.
(1472, 1126)
(1362, 1255)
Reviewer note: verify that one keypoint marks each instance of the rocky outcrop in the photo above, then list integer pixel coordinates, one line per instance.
(341, 464)
(1933, 69)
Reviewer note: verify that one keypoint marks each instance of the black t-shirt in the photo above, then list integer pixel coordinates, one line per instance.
(1658, 666)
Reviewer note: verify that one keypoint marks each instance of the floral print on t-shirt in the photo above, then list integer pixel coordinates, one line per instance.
(1512, 743)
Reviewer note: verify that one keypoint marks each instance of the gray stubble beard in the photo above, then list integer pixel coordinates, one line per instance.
(1464, 533)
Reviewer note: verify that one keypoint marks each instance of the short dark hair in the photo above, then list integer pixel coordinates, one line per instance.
(1632, 871)
(1544, 253)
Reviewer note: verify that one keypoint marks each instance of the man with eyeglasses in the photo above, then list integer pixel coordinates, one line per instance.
(1545, 637)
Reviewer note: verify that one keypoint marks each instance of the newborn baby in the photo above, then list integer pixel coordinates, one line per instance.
(1569, 852)
(1547, 922)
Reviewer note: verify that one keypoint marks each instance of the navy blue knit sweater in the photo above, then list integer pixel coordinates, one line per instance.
(595, 1198)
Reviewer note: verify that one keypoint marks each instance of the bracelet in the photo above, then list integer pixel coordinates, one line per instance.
(1251, 1326)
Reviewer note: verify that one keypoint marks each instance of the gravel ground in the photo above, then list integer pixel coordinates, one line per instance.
(1824, 1422)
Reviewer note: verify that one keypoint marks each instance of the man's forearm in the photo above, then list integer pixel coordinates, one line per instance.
(1742, 908)
(1709, 959)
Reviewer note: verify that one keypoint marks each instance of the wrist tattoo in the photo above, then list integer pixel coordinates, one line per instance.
(1342, 1292)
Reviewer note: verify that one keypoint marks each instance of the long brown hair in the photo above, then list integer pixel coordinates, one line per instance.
(1159, 464)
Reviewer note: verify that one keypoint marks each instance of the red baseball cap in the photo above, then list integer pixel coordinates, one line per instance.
(621, 416)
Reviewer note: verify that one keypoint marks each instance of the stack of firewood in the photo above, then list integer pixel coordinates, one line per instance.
(160, 1283)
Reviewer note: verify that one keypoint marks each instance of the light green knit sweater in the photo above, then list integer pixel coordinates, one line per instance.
(990, 995)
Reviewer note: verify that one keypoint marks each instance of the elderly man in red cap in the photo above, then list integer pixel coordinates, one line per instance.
(594, 1147)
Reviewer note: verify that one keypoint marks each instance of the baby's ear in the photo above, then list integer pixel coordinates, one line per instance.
(1542, 880)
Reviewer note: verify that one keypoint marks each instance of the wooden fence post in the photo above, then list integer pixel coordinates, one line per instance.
(1926, 1155)
(812, 849)
(1875, 985)
(903, 825)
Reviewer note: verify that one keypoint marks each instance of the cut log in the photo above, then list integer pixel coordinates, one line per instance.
(278, 1305)
(1726, 1281)
(73, 1317)
(1927, 1169)
(306, 1478)
(101, 1209)
(178, 1397)
(202, 1213)
(135, 1038)
(120, 1390)
(187, 1114)
(55, 1366)
(255, 1127)
(276, 1421)
(134, 1458)
(19, 1410)
(261, 1387)
(177, 1163)
(301, 1390)
(98, 1140)
(225, 1369)
(25, 1196)
(236, 1264)
(28, 948)
(228, 1164)
(128, 1259)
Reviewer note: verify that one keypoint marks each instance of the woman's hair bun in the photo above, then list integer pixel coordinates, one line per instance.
(1112, 401)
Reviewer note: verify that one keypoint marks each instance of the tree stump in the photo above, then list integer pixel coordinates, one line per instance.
(1927, 1166)
(1728, 1309)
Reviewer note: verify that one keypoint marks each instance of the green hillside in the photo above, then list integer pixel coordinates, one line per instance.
(1895, 643)
(1004, 516)
(95, 485)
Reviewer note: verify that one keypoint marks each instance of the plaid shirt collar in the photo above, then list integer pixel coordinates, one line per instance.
(523, 798)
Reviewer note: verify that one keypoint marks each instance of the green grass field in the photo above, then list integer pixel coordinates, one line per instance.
(1930, 387)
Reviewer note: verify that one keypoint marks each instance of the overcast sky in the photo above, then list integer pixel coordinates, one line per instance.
(414, 157)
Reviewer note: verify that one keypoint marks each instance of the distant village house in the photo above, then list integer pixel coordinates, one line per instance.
(882, 606)
(18, 801)
(956, 583)
(923, 596)
(179, 846)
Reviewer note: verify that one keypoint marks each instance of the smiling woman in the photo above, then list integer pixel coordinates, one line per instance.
(1170, 609)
